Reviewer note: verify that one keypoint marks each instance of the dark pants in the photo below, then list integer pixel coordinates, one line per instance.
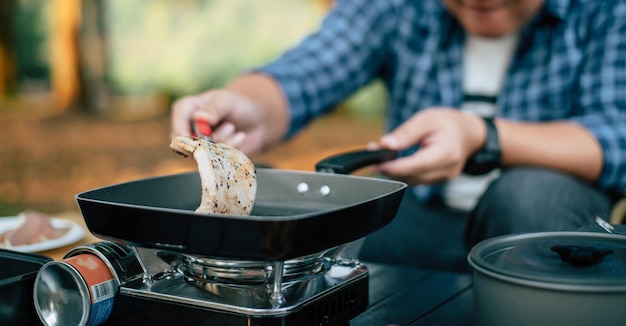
(520, 200)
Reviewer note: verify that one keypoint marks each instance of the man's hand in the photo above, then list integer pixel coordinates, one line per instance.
(235, 119)
(250, 113)
(447, 137)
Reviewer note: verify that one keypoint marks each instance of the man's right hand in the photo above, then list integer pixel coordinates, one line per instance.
(250, 113)
(232, 116)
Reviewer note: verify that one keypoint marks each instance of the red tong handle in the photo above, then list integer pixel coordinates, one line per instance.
(202, 128)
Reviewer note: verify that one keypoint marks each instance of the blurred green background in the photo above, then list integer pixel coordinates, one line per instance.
(176, 47)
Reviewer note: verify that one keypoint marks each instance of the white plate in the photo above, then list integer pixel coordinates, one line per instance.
(73, 235)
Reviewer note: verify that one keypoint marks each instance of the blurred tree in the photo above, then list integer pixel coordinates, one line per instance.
(78, 45)
(31, 29)
(7, 48)
(94, 92)
(65, 79)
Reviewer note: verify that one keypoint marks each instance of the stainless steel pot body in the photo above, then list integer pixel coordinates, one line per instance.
(516, 286)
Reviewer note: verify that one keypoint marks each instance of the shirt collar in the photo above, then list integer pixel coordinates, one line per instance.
(551, 14)
(552, 9)
(449, 25)
(556, 8)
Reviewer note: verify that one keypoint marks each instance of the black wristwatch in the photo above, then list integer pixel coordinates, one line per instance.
(489, 156)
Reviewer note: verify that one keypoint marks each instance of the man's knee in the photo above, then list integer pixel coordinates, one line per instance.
(520, 193)
(532, 199)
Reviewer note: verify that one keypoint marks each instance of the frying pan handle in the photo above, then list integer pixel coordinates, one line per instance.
(348, 162)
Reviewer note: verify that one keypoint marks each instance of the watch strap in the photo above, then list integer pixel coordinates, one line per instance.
(489, 156)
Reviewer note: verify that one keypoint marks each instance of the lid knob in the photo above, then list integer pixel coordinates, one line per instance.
(581, 255)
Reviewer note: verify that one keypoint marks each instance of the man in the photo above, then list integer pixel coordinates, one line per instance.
(509, 113)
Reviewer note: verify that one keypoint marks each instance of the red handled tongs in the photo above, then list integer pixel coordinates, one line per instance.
(202, 129)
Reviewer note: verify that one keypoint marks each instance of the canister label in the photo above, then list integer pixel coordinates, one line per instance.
(102, 286)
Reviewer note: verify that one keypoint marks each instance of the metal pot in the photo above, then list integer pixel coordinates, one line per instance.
(550, 278)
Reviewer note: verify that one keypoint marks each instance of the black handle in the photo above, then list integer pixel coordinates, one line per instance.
(348, 162)
(581, 255)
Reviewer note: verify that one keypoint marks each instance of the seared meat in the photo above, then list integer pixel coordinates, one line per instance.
(34, 227)
(227, 175)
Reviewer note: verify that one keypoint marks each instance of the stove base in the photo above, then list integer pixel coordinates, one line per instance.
(336, 309)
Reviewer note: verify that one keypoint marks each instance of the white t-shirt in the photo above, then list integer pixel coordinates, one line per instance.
(485, 63)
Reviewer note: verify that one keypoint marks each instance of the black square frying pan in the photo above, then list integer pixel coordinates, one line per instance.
(296, 213)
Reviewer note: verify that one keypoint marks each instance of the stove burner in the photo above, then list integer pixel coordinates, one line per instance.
(203, 270)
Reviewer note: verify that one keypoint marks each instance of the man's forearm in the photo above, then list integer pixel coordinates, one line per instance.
(558, 145)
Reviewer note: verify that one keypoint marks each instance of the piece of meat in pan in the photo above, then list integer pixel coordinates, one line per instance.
(227, 176)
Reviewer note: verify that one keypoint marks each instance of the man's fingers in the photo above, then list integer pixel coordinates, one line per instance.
(181, 113)
(409, 133)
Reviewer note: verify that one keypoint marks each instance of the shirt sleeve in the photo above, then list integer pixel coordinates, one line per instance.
(602, 89)
(329, 65)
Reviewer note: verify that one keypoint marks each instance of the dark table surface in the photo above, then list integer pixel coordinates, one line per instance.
(402, 295)
(398, 295)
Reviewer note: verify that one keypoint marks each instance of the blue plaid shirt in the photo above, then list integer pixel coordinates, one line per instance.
(570, 64)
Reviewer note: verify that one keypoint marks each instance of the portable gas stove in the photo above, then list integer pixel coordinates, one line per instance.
(290, 262)
(162, 286)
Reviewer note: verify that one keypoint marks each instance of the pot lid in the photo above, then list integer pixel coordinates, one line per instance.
(573, 258)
